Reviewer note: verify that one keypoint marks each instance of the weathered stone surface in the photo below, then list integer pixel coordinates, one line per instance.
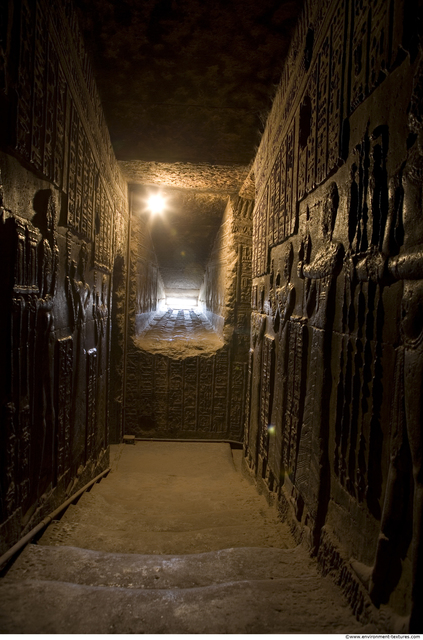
(205, 177)
(262, 606)
(189, 82)
(336, 288)
(63, 217)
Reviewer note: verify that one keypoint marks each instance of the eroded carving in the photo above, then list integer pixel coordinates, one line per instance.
(404, 237)
(312, 465)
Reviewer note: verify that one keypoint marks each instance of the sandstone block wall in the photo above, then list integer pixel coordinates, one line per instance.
(63, 228)
(335, 368)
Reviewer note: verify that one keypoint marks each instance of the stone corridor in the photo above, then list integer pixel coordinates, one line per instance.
(263, 164)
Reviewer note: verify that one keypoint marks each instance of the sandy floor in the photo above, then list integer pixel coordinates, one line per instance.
(174, 498)
(179, 333)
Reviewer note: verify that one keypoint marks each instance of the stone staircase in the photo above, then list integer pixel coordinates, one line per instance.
(174, 540)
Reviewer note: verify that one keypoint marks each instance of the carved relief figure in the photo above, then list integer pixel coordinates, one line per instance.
(48, 269)
(312, 467)
(284, 297)
(101, 310)
(78, 294)
(77, 289)
(358, 430)
(405, 227)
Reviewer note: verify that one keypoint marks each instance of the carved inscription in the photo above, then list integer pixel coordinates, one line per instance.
(59, 140)
(161, 390)
(267, 373)
(72, 162)
(220, 391)
(238, 384)
(205, 393)
(64, 403)
(23, 124)
(50, 113)
(90, 443)
(175, 398)
(38, 100)
(293, 411)
(336, 85)
(322, 111)
(146, 387)
(190, 393)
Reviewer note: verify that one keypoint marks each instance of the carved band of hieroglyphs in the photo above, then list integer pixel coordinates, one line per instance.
(91, 403)
(237, 401)
(161, 390)
(175, 395)
(266, 394)
(206, 374)
(24, 106)
(220, 391)
(294, 403)
(190, 393)
(64, 403)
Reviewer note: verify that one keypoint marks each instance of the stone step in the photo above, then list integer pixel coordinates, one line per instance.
(281, 605)
(133, 571)
(134, 536)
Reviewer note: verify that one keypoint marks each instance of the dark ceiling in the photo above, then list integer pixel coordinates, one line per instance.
(186, 86)
(187, 80)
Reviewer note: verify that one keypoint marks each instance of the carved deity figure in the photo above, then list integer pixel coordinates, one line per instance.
(47, 284)
(284, 294)
(312, 466)
(405, 228)
(282, 307)
(325, 266)
(101, 310)
(79, 291)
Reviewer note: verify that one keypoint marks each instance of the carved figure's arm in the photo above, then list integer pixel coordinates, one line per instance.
(289, 307)
(372, 267)
(325, 262)
(407, 266)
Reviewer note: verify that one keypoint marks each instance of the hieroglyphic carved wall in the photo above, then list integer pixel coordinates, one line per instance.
(333, 428)
(189, 397)
(63, 237)
(146, 293)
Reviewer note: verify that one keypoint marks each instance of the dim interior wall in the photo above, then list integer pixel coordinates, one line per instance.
(225, 292)
(63, 227)
(146, 289)
(335, 370)
(145, 297)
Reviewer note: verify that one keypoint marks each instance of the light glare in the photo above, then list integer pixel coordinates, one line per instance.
(181, 303)
(156, 203)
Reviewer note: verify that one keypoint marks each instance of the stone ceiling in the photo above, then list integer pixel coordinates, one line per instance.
(186, 86)
(187, 80)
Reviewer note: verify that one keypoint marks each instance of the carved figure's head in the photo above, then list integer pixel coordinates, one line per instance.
(1, 193)
(51, 214)
(73, 269)
(415, 116)
(287, 262)
(103, 288)
(330, 210)
(83, 259)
